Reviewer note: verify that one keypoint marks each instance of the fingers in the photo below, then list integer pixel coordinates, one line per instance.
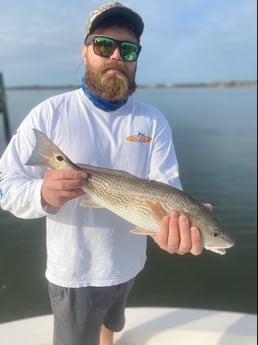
(185, 236)
(65, 180)
(60, 186)
(173, 234)
(208, 206)
(197, 247)
(162, 237)
(177, 236)
(65, 175)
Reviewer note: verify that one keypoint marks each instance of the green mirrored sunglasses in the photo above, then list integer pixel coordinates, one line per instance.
(105, 47)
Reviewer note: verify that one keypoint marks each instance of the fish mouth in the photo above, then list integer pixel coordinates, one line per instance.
(219, 250)
(221, 247)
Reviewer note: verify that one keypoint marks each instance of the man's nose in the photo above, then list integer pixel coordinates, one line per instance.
(116, 55)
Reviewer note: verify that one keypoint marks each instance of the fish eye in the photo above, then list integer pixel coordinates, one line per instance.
(60, 158)
(215, 234)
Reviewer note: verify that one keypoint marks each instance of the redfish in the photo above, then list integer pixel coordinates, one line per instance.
(141, 202)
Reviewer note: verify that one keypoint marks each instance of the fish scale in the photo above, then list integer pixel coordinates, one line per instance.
(118, 195)
(142, 202)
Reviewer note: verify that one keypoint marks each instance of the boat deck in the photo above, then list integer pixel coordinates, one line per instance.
(151, 326)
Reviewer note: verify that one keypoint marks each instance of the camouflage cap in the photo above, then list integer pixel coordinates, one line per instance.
(111, 9)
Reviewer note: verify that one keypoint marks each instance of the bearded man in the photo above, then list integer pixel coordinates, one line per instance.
(92, 257)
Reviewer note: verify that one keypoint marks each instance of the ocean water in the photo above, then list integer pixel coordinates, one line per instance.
(214, 133)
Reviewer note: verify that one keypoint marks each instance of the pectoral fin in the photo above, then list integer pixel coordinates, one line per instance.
(157, 210)
(140, 231)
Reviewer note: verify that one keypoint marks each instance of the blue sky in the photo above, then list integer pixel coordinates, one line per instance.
(183, 41)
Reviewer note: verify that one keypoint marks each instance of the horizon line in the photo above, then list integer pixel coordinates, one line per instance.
(148, 85)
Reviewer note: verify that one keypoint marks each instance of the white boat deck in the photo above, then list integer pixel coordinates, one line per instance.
(151, 326)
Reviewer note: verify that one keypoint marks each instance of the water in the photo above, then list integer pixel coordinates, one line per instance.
(215, 136)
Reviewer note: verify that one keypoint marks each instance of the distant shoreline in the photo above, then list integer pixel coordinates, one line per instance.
(217, 84)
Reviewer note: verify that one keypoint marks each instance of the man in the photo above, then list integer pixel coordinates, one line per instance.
(92, 258)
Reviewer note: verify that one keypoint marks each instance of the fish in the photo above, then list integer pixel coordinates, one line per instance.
(142, 202)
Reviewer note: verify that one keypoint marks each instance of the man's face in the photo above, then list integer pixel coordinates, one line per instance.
(111, 78)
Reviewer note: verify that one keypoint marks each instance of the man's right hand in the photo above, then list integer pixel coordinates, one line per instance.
(60, 186)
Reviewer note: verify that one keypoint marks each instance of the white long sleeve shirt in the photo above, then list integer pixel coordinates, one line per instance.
(88, 246)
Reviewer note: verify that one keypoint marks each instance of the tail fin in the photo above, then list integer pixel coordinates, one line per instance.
(46, 153)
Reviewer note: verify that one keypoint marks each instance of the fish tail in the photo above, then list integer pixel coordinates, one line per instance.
(46, 153)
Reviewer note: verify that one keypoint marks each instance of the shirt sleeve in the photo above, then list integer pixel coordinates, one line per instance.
(20, 185)
(163, 163)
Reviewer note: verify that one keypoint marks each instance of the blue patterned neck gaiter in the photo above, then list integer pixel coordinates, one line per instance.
(101, 102)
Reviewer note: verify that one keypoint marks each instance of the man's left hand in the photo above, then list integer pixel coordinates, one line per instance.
(178, 236)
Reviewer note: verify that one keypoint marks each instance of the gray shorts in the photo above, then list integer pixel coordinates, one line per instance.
(79, 313)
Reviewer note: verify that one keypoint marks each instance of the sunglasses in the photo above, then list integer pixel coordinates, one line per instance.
(105, 47)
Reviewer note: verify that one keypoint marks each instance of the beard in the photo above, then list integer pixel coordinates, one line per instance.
(112, 87)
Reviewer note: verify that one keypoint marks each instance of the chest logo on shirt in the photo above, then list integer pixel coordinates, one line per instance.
(139, 138)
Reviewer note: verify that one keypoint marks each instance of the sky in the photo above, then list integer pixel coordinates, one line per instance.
(184, 41)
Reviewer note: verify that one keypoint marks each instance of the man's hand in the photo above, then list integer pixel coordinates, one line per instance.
(177, 236)
(60, 186)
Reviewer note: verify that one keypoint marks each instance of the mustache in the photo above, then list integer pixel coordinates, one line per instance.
(115, 65)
